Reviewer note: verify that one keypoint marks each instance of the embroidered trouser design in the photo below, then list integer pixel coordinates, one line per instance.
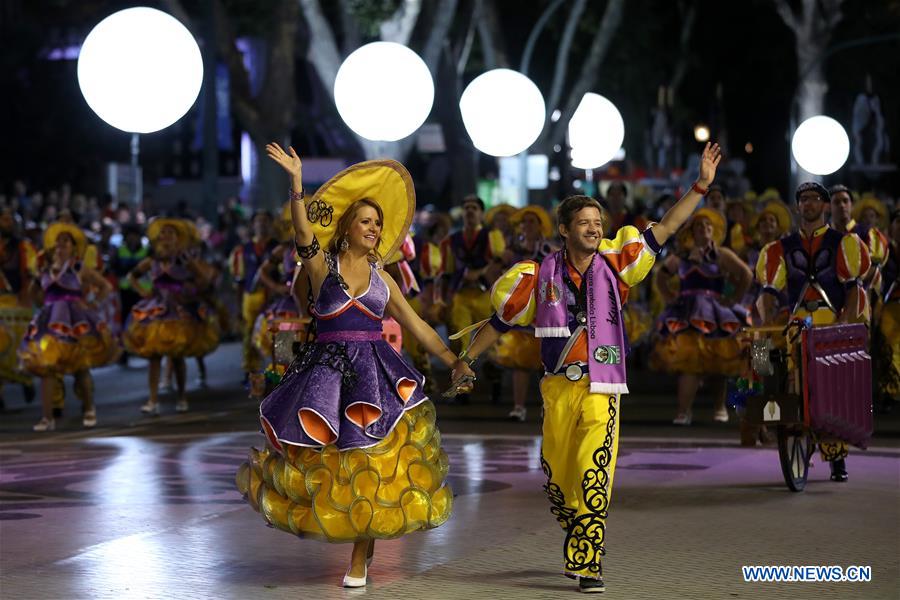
(578, 455)
(833, 450)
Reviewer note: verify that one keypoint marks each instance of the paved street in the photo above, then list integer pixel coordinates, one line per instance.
(146, 508)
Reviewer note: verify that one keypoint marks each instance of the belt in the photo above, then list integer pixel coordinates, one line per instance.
(573, 372)
(348, 336)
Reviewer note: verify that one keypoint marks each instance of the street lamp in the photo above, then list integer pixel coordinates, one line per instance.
(140, 70)
(596, 132)
(384, 91)
(701, 133)
(503, 112)
(820, 145)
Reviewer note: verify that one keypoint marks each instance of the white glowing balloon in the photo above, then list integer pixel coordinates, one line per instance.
(596, 132)
(140, 70)
(503, 112)
(384, 91)
(820, 145)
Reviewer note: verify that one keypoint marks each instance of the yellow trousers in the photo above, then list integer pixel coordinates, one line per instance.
(468, 306)
(578, 456)
(252, 303)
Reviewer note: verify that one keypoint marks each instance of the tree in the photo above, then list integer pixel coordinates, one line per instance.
(813, 25)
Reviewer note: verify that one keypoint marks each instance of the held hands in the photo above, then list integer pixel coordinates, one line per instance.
(709, 160)
(461, 369)
(289, 162)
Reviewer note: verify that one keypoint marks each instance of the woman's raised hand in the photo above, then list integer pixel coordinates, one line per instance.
(709, 161)
(289, 162)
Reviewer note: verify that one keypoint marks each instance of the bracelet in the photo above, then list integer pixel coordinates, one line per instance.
(469, 360)
(295, 195)
(696, 187)
(307, 252)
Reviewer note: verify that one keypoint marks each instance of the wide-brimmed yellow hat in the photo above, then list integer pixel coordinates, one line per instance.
(870, 201)
(538, 211)
(779, 210)
(768, 195)
(59, 227)
(685, 236)
(506, 209)
(385, 181)
(188, 234)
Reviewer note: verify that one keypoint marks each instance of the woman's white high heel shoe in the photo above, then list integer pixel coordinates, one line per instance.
(356, 582)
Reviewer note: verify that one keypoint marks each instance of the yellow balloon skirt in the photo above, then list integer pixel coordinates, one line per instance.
(188, 335)
(692, 353)
(14, 321)
(518, 349)
(48, 355)
(382, 492)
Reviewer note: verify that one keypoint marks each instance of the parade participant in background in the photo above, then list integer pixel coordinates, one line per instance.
(822, 271)
(350, 410)
(519, 349)
(244, 263)
(429, 302)
(468, 258)
(697, 329)
(502, 232)
(18, 262)
(573, 299)
(129, 254)
(68, 335)
(172, 320)
(887, 324)
(619, 215)
(849, 218)
(277, 274)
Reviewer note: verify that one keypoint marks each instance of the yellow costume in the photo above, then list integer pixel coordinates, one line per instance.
(580, 428)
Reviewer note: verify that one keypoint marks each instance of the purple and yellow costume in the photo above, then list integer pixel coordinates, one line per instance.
(66, 335)
(175, 322)
(696, 331)
(887, 324)
(17, 264)
(353, 452)
(282, 307)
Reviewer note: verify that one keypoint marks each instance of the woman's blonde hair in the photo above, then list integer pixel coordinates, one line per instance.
(346, 221)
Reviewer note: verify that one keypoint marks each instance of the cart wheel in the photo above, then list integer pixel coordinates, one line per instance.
(795, 448)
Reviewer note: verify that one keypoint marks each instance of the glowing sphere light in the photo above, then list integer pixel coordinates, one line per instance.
(384, 91)
(503, 112)
(596, 132)
(140, 70)
(820, 145)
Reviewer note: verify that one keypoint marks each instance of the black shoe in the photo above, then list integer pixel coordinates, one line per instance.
(591, 586)
(57, 413)
(839, 470)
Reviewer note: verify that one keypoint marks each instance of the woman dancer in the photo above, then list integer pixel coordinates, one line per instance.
(353, 454)
(698, 326)
(67, 335)
(172, 320)
(518, 349)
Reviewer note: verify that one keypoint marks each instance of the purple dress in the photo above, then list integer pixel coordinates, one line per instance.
(699, 305)
(349, 388)
(66, 335)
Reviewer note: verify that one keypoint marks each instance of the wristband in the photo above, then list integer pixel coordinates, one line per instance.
(464, 356)
(296, 196)
(696, 187)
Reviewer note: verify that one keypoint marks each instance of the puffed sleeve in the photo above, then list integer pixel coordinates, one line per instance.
(29, 258)
(496, 243)
(630, 254)
(512, 297)
(771, 270)
(878, 246)
(430, 261)
(236, 263)
(853, 260)
(448, 261)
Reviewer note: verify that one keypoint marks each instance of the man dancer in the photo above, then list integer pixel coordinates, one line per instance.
(843, 222)
(574, 301)
(245, 261)
(827, 291)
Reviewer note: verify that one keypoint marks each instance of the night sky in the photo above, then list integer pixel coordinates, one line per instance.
(52, 136)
